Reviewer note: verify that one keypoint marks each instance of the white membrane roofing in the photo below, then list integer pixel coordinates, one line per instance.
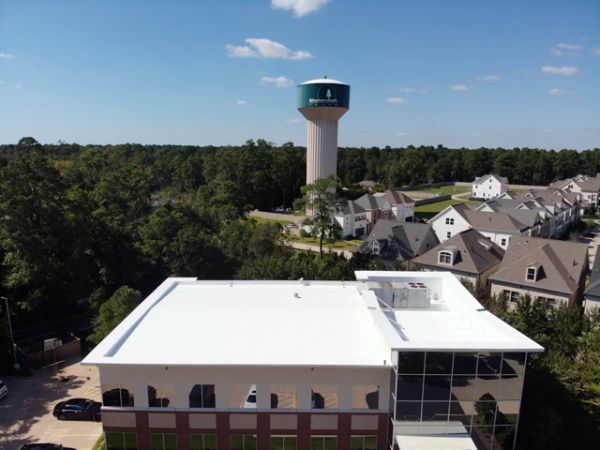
(188, 322)
(297, 323)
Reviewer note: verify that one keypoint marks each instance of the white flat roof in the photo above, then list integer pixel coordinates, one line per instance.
(323, 81)
(258, 323)
(455, 321)
(436, 442)
(296, 323)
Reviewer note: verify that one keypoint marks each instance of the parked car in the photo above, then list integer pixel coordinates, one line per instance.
(44, 447)
(3, 389)
(78, 409)
(250, 401)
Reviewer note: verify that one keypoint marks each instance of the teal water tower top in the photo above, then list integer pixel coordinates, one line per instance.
(324, 99)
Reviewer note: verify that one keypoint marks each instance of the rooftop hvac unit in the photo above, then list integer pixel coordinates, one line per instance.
(411, 295)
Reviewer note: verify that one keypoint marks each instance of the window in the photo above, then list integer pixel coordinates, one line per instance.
(323, 443)
(324, 397)
(449, 220)
(376, 247)
(202, 396)
(243, 442)
(448, 235)
(203, 442)
(283, 396)
(503, 242)
(445, 257)
(120, 441)
(363, 443)
(242, 396)
(163, 441)
(160, 395)
(551, 301)
(532, 273)
(365, 397)
(514, 297)
(117, 395)
(284, 442)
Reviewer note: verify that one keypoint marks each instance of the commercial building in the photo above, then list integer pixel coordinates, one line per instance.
(406, 360)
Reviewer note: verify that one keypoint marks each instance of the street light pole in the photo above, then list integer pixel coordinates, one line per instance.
(17, 366)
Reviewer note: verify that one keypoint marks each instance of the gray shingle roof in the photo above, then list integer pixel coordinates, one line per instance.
(351, 207)
(484, 178)
(492, 221)
(367, 202)
(563, 263)
(593, 289)
(402, 240)
(476, 254)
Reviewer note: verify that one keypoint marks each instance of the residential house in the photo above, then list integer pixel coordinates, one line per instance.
(489, 186)
(548, 269)
(592, 293)
(587, 186)
(352, 219)
(496, 226)
(392, 205)
(469, 255)
(399, 241)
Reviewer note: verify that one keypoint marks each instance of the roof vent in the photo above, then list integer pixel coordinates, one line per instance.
(296, 295)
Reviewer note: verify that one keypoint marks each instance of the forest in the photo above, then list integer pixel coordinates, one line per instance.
(89, 229)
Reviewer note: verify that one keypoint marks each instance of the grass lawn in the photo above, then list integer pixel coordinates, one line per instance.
(447, 190)
(283, 223)
(438, 206)
(339, 245)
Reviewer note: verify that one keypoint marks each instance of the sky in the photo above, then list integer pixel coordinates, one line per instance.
(464, 73)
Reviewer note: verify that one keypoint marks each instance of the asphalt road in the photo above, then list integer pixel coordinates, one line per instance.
(26, 412)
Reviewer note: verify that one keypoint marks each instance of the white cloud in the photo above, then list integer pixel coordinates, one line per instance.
(490, 77)
(566, 71)
(459, 87)
(242, 102)
(396, 100)
(6, 56)
(400, 134)
(280, 82)
(17, 86)
(300, 7)
(265, 48)
(596, 51)
(407, 90)
(563, 49)
(240, 51)
(557, 91)
(293, 121)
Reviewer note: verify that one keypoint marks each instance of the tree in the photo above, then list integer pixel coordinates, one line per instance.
(322, 201)
(113, 311)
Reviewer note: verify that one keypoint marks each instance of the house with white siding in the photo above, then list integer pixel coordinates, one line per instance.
(489, 186)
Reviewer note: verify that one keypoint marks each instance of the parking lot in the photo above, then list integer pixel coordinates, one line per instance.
(26, 412)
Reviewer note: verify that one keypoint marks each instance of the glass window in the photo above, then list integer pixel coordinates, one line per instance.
(284, 442)
(436, 387)
(504, 437)
(408, 411)
(243, 442)
(508, 412)
(163, 441)
(120, 395)
(411, 362)
(202, 396)
(445, 257)
(203, 442)
(120, 441)
(365, 397)
(242, 396)
(461, 412)
(324, 396)
(531, 273)
(485, 411)
(323, 443)
(410, 387)
(438, 362)
(510, 387)
(160, 395)
(363, 443)
(435, 411)
(513, 362)
(448, 235)
(283, 396)
(465, 363)
(463, 388)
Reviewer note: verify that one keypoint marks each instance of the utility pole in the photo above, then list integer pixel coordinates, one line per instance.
(16, 365)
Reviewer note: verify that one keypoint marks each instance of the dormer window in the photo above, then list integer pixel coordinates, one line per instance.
(445, 257)
(532, 273)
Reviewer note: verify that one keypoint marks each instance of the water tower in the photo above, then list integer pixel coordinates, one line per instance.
(323, 102)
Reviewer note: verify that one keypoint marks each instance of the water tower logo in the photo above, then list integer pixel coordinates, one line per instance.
(325, 96)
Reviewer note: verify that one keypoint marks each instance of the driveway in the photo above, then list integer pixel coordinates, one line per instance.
(26, 412)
